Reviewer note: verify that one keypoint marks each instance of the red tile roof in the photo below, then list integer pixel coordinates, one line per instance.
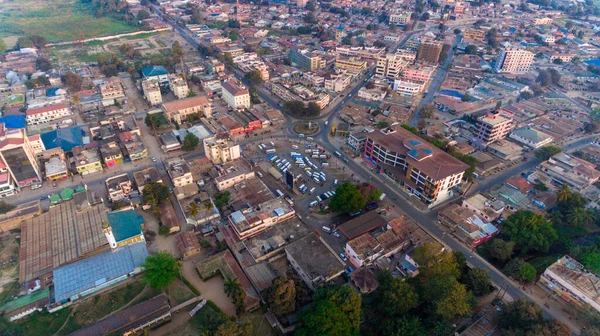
(519, 183)
(234, 89)
(47, 108)
(185, 103)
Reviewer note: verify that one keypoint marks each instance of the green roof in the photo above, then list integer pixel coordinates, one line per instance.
(125, 224)
(25, 300)
(67, 194)
(79, 189)
(54, 198)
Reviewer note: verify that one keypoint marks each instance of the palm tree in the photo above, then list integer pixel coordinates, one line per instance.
(232, 288)
(564, 193)
(207, 205)
(581, 217)
(193, 209)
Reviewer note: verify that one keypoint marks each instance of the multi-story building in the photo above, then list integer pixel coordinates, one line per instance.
(111, 89)
(231, 174)
(418, 74)
(390, 66)
(492, 127)
(420, 168)
(407, 54)
(401, 18)
(179, 109)
(542, 21)
(566, 58)
(180, 173)
(252, 221)
(87, 161)
(118, 187)
(221, 150)
(407, 88)
(306, 60)
(474, 34)
(152, 92)
(353, 65)
(7, 185)
(18, 154)
(56, 168)
(157, 73)
(567, 169)
(337, 83)
(573, 283)
(111, 153)
(362, 52)
(46, 114)
(514, 60)
(235, 96)
(178, 86)
(459, 7)
(429, 51)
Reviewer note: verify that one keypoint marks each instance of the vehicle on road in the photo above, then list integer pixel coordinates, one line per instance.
(153, 159)
(343, 256)
(326, 229)
(336, 234)
(259, 174)
(43, 197)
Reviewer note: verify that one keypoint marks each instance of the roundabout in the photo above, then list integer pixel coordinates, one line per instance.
(306, 127)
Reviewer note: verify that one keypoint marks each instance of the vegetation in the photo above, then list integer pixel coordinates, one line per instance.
(547, 152)
(5, 207)
(161, 269)
(163, 230)
(522, 317)
(73, 81)
(427, 111)
(155, 193)
(281, 297)
(190, 142)
(548, 77)
(254, 77)
(296, 108)
(234, 290)
(471, 49)
(347, 198)
(221, 198)
(529, 231)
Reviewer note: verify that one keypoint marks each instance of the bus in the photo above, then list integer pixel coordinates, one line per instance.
(279, 193)
(338, 154)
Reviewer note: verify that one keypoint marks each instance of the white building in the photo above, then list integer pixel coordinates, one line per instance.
(178, 86)
(407, 88)
(530, 137)
(221, 150)
(152, 92)
(235, 96)
(46, 114)
(514, 60)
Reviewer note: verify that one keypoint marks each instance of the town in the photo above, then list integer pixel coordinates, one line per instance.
(299, 167)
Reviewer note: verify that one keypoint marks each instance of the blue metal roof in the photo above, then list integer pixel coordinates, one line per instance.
(72, 279)
(13, 121)
(65, 138)
(51, 92)
(155, 70)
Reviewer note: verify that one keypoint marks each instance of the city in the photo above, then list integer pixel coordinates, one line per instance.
(299, 167)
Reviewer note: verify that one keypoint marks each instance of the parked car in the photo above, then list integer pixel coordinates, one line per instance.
(153, 159)
(336, 235)
(343, 256)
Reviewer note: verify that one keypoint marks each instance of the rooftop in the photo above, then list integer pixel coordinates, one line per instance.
(44, 109)
(362, 224)
(315, 257)
(155, 70)
(493, 119)
(364, 245)
(125, 224)
(55, 166)
(185, 241)
(185, 103)
(233, 89)
(573, 273)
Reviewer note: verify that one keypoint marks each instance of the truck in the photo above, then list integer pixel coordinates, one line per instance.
(272, 150)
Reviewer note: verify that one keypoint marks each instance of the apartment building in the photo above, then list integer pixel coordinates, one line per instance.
(400, 19)
(56, 168)
(362, 52)
(474, 34)
(221, 150)
(118, 187)
(492, 127)
(542, 21)
(7, 185)
(337, 83)
(390, 66)
(87, 161)
(418, 73)
(514, 60)
(566, 58)
(411, 163)
(429, 51)
(407, 88)
(46, 114)
(306, 59)
(353, 65)
(178, 110)
(179, 86)
(18, 154)
(235, 96)
(111, 89)
(152, 92)
(180, 173)
(233, 173)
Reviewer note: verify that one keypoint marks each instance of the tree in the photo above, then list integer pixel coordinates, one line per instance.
(547, 152)
(254, 77)
(234, 290)
(581, 217)
(24, 42)
(457, 31)
(427, 111)
(557, 61)
(370, 85)
(162, 230)
(478, 281)
(520, 270)
(43, 64)
(471, 49)
(404, 326)
(433, 262)
(177, 51)
(155, 193)
(520, 315)
(456, 302)
(73, 81)
(569, 24)
(143, 15)
(233, 328)
(592, 261)
(310, 18)
(529, 231)
(347, 198)
(193, 209)
(190, 142)
(394, 296)
(152, 120)
(501, 250)
(2, 46)
(281, 296)
(160, 269)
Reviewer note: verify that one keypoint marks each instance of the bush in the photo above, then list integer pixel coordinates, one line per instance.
(190, 286)
(163, 231)
(204, 243)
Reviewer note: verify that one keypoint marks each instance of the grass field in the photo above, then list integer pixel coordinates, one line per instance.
(57, 20)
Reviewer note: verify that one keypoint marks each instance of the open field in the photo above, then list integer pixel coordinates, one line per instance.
(57, 21)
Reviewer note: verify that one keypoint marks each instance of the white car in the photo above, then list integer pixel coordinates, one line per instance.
(153, 159)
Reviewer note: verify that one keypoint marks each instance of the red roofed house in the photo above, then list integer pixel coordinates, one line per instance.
(235, 96)
(519, 183)
(46, 114)
(179, 109)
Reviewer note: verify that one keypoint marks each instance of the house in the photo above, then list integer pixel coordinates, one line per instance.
(87, 161)
(365, 280)
(179, 110)
(168, 218)
(564, 168)
(145, 176)
(314, 260)
(249, 222)
(46, 114)
(221, 150)
(157, 73)
(178, 86)
(111, 153)
(467, 226)
(187, 244)
(484, 207)
(531, 137)
(232, 174)
(364, 249)
(180, 173)
(24, 305)
(124, 227)
(118, 187)
(362, 224)
(519, 183)
(64, 138)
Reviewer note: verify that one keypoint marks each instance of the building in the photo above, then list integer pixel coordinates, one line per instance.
(132, 320)
(18, 153)
(178, 110)
(531, 137)
(235, 96)
(413, 164)
(118, 187)
(231, 174)
(221, 150)
(123, 227)
(46, 114)
(565, 58)
(542, 21)
(306, 60)
(372, 53)
(353, 65)
(573, 283)
(145, 176)
(178, 86)
(492, 127)
(418, 74)
(111, 154)
(111, 89)
(514, 60)
(487, 209)
(466, 225)
(362, 224)
(400, 19)
(152, 92)
(407, 88)
(180, 173)
(429, 51)
(157, 73)
(187, 244)
(357, 140)
(56, 168)
(566, 169)
(314, 260)
(249, 222)
(474, 34)
(363, 250)
(390, 66)
(87, 161)
(337, 83)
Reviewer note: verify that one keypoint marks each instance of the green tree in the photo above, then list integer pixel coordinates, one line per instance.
(143, 15)
(529, 231)
(456, 302)
(73, 81)
(155, 193)
(501, 250)
(193, 209)
(547, 152)
(177, 51)
(234, 290)
(190, 142)
(160, 269)
(254, 77)
(325, 318)
(581, 217)
(234, 328)
(478, 281)
(162, 230)
(347, 198)
(404, 326)
(564, 193)
(433, 262)
(520, 315)
(394, 296)
(281, 296)
(152, 120)
(471, 49)
(343, 297)
(2, 46)
(527, 272)
(592, 262)
(520, 270)
(24, 42)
